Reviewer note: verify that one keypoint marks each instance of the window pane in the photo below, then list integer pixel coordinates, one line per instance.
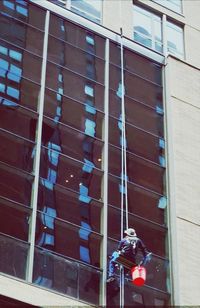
(21, 35)
(24, 11)
(147, 28)
(19, 62)
(16, 151)
(69, 206)
(86, 180)
(14, 219)
(174, 5)
(175, 39)
(13, 257)
(72, 143)
(88, 92)
(58, 237)
(138, 141)
(28, 94)
(18, 121)
(85, 63)
(15, 184)
(145, 230)
(77, 36)
(68, 111)
(141, 201)
(138, 114)
(151, 94)
(88, 9)
(139, 171)
(66, 276)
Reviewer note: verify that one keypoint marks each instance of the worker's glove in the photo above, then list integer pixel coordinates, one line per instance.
(147, 258)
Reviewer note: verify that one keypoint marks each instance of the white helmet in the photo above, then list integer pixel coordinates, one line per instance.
(130, 232)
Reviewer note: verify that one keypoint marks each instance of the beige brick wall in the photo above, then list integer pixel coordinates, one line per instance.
(184, 119)
(188, 250)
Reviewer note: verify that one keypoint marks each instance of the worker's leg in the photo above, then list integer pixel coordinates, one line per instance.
(112, 264)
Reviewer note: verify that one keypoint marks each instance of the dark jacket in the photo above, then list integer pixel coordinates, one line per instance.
(129, 246)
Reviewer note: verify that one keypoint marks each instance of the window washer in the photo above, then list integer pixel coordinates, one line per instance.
(128, 247)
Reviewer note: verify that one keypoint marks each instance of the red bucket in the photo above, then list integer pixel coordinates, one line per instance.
(138, 275)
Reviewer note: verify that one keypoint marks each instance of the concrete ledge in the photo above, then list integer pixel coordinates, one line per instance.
(34, 295)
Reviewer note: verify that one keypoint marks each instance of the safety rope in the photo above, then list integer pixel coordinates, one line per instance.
(124, 189)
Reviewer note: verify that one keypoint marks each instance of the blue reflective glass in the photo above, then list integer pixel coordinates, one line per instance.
(14, 77)
(7, 102)
(83, 197)
(161, 143)
(58, 97)
(47, 184)
(13, 92)
(88, 166)
(2, 87)
(2, 73)
(4, 64)
(52, 175)
(89, 90)
(159, 110)
(22, 10)
(54, 146)
(83, 233)
(15, 55)
(84, 254)
(161, 161)
(90, 127)
(90, 40)
(53, 157)
(47, 220)
(22, 2)
(16, 70)
(60, 91)
(8, 4)
(90, 109)
(3, 50)
(122, 189)
(162, 204)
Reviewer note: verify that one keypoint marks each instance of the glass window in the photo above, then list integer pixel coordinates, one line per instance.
(21, 35)
(175, 39)
(93, 96)
(62, 234)
(15, 184)
(80, 147)
(14, 219)
(174, 5)
(88, 9)
(75, 59)
(141, 201)
(16, 152)
(11, 60)
(24, 11)
(13, 258)
(70, 112)
(151, 95)
(147, 29)
(137, 114)
(77, 36)
(139, 171)
(137, 141)
(69, 206)
(18, 120)
(86, 182)
(66, 276)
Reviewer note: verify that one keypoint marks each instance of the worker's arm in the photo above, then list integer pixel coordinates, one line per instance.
(147, 255)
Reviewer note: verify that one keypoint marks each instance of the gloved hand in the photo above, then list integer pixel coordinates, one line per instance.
(147, 258)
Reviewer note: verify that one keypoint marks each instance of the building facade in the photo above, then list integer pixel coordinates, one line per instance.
(67, 68)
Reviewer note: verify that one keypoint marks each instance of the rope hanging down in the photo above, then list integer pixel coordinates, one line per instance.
(124, 189)
(123, 169)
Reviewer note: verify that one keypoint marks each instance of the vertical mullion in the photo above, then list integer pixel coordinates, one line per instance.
(105, 183)
(37, 153)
